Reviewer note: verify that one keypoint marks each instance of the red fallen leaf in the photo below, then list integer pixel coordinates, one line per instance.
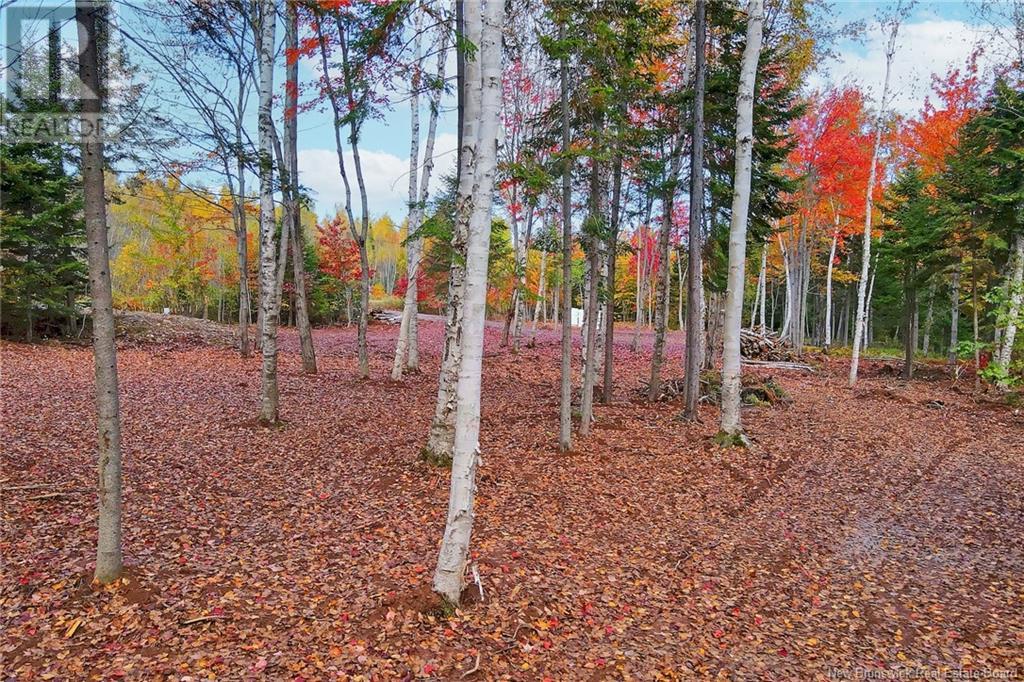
(429, 669)
(758, 620)
(324, 496)
(599, 663)
(783, 652)
(217, 611)
(259, 665)
(553, 622)
(608, 629)
(547, 643)
(719, 633)
(516, 554)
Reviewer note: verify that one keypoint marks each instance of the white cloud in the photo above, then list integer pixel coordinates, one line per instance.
(924, 48)
(386, 176)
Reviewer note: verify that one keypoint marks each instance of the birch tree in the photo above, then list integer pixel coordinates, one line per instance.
(731, 426)
(859, 325)
(441, 438)
(108, 409)
(484, 27)
(695, 278)
(407, 347)
(268, 246)
(828, 285)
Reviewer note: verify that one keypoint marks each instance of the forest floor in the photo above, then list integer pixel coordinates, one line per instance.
(867, 530)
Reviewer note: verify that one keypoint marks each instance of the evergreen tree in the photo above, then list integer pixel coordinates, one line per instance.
(42, 241)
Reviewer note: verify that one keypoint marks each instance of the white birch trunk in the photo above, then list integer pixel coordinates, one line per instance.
(268, 259)
(954, 314)
(411, 251)
(441, 439)
(929, 319)
(540, 308)
(762, 282)
(859, 326)
(828, 288)
(451, 564)
(731, 369)
(1016, 294)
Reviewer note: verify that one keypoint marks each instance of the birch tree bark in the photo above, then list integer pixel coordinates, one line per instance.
(607, 385)
(452, 557)
(954, 316)
(731, 425)
(929, 319)
(540, 307)
(268, 247)
(441, 439)
(108, 409)
(1016, 296)
(661, 307)
(411, 250)
(828, 287)
(695, 294)
(858, 332)
(591, 307)
(665, 272)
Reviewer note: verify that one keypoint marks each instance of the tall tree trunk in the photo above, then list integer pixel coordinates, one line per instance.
(974, 313)
(661, 307)
(268, 258)
(828, 288)
(731, 369)
(890, 51)
(909, 313)
(441, 439)
(454, 551)
(364, 264)
(929, 318)
(108, 410)
(411, 250)
(565, 409)
(522, 257)
(540, 307)
(300, 307)
(954, 315)
(362, 236)
(241, 241)
(695, 301)
(787, 315)
(1016, 296)
(762, 280)
(594, 270)
(607, 386)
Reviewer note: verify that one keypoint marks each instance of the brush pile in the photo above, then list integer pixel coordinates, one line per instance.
(763, 344)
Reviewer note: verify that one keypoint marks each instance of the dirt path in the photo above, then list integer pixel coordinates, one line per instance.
(866, 529)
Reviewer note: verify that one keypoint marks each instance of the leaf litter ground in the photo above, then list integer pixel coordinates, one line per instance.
(875, 529)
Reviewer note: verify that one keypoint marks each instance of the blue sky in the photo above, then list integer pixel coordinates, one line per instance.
(935, 37)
